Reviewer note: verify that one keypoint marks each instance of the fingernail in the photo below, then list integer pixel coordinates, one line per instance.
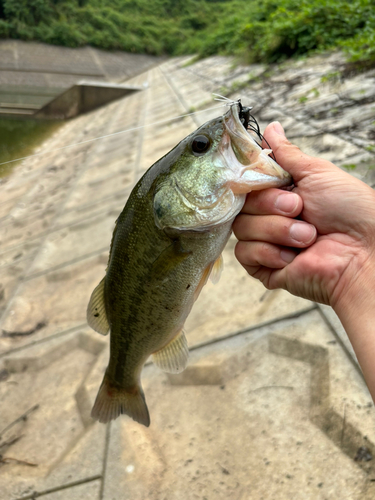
(278, 128)
(302, 232)
(286, 202)
(287, 255)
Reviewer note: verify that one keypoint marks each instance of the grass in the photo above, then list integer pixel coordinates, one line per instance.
(266, 31)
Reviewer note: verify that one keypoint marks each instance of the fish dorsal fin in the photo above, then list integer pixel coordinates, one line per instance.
(96, 314)
(217, 270)
(112, 241)
(174, 356)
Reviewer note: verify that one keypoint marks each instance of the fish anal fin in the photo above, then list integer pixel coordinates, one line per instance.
(217, 269)
(96, 313)
(173, 357)
(112, 401)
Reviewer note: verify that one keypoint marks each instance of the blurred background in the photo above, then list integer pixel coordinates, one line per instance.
(273, 404)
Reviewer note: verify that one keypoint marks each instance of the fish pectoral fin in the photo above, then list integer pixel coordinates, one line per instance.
(169, 259)
(96, 313)
(217, 269)
(174, 356)
(212, 271)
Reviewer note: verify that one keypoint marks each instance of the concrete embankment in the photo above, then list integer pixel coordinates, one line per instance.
(272, 405)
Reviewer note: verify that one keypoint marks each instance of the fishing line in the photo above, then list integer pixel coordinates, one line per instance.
(221, 98)
(252, 122)
(114, 133)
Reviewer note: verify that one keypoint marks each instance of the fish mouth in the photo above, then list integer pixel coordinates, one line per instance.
(254, 169)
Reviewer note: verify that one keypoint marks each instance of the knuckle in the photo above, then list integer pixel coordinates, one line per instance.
(277, 227)
(240, 252)
(242, 226)
(266, 250)
(236, 226)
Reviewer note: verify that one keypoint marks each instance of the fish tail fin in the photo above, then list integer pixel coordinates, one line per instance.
(112, 401)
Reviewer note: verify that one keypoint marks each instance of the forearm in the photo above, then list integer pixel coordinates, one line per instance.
(357, 314)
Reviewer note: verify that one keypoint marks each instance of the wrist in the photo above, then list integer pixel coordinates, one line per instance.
(357, 292)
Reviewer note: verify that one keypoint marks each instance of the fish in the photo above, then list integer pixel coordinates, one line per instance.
(167, 242)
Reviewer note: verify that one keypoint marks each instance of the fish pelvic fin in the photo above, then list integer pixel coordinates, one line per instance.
(217, 269)
(96, 313)
(113, 401)
(173, 357)
(203, 281)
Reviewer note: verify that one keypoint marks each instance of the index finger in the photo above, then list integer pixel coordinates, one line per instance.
(290, 157)
(273, 202)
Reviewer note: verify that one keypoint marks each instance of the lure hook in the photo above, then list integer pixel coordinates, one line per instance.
(244, 114)
(250, 123)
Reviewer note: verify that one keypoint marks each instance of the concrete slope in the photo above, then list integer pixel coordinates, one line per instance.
(32, 74)
(272, 404)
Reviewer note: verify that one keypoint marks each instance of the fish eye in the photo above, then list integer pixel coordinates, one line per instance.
(200, 144)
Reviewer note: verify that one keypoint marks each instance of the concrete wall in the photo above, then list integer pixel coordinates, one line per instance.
(81, 98)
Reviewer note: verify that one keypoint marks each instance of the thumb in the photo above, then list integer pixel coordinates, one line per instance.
(290, 157)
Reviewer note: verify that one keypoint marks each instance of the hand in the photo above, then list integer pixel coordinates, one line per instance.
(327, 254)
(329, 249)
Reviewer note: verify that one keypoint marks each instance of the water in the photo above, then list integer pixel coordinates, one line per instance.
(20, 137)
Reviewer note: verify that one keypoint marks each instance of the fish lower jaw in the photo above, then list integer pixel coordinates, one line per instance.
(261, 174)
(252, 180)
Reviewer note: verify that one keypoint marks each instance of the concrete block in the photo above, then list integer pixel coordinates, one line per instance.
(86, 490)
(74, 242)
(104, 181)
(51, 303)
(83, 97)
(214, 369)
(111, 204)
(278, 448)
(327, 146)
(52, 429)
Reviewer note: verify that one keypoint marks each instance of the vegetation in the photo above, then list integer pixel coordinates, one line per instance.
(256, 30)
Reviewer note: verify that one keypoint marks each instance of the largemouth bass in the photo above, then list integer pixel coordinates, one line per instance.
(166, 243)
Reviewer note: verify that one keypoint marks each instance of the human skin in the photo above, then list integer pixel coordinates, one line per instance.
(327, 255)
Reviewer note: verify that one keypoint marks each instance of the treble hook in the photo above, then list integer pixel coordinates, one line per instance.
(244, 114)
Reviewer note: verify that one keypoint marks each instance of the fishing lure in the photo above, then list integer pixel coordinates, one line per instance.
(247, 119)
